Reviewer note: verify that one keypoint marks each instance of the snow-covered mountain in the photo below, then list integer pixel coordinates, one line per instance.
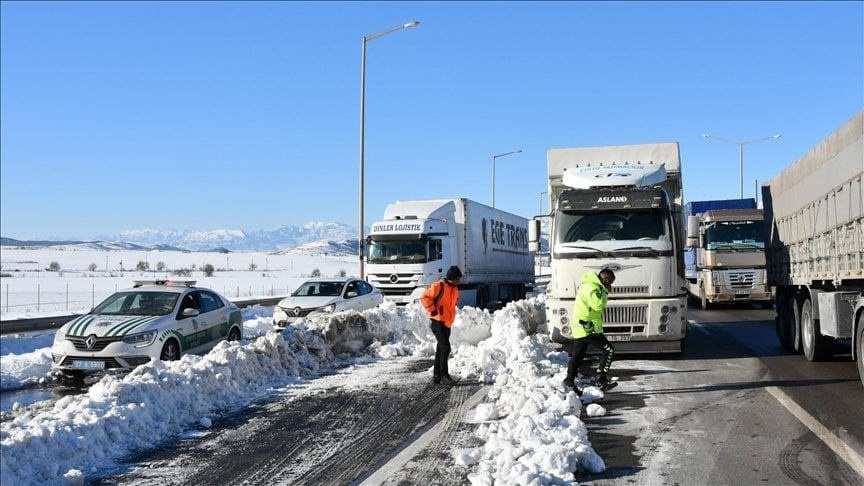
(273, 240)
(312, 238)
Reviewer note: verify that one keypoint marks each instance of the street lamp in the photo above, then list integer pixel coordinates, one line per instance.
(493, 171)
(741, 156)
(363, 120)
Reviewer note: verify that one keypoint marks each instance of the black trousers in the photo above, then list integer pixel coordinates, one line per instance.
(442, 350)
(580, 346)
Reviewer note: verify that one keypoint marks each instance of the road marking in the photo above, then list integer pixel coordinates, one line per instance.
(395, 465)
(850, 456)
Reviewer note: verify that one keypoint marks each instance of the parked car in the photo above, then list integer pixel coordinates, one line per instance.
(325, 296)
(156, 319)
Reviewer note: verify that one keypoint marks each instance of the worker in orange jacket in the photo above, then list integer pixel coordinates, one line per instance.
(440, 301)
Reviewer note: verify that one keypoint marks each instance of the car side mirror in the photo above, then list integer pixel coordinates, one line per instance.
(190, 312)
(351, 295)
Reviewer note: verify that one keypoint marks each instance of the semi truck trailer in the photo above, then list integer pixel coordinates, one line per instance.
(724, 257)
(418, 240)
(815, 214)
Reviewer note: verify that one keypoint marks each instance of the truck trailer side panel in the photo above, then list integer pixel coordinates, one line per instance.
(815, 211)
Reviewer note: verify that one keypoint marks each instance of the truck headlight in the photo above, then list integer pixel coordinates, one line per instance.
(140, 339)
(715, 278)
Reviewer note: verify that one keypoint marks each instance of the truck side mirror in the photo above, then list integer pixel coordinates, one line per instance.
(534, 235)
(692, 231)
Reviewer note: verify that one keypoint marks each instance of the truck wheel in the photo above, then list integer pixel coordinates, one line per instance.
(795, 329)
(859, 339)
(783, 320)
(481, 300)
(704, 300)
(816, 347)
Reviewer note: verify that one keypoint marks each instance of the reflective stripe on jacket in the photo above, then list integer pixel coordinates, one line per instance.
(445, 308)
(590, 302)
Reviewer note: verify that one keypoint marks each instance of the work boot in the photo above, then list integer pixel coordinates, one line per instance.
(436, 380)
(603, 382)
(570, 385)
(448, 380)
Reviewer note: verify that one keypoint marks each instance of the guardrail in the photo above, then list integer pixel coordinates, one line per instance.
(17, 326)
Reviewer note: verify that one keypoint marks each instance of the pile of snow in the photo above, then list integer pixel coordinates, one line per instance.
(530, 427)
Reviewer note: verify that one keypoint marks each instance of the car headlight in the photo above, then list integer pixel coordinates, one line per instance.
(59, 336)
(327, 308)
(140, 339)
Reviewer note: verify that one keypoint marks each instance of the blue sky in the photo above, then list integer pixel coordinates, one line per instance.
(200, 115)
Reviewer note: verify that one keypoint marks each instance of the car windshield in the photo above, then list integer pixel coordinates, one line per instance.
(138, 303)
(319, 289)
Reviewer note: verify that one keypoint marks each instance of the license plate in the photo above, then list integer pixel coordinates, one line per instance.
(88, 365)
(618, 338)
(742, 292)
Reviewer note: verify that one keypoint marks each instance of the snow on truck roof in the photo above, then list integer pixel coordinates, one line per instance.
(667, 154)
(614, 175)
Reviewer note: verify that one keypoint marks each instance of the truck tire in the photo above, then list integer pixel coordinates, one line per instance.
(482, 300)
(704, 300)
(859, 343)
(782, 321)
(795, 341)
(816, 347)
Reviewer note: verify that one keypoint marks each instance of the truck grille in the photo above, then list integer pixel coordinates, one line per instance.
(637, 290)
(625, 315)
(741, 280)
(383, 280)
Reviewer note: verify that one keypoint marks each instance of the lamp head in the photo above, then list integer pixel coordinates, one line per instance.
(411, 24)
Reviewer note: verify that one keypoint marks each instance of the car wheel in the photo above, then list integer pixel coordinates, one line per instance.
(170, 351)
(234, 334)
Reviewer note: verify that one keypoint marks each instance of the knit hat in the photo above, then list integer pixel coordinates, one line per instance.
(454, 273)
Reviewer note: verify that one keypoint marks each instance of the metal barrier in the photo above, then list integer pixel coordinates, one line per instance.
(17, 326)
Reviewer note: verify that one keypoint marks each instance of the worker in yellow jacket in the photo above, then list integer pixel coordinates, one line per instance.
(440, 301)
(587, 328)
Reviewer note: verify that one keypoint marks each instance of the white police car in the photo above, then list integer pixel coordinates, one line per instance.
(156, 319)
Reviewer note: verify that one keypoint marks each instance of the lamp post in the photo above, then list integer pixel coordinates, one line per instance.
(494, 157)
(363, 120)
(741, 156)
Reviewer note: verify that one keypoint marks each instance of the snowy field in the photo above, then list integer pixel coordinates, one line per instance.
(86, 277)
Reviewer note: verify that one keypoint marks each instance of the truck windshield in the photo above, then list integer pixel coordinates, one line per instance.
(397, 251)
(640, 225)
(734, 235)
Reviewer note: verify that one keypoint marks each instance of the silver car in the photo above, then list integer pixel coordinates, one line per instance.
(323, 296)
(158, 319)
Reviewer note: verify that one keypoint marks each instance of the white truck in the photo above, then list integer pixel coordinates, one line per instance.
(418, 240)
(724, 259)
(815, 211)
(618, 207)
